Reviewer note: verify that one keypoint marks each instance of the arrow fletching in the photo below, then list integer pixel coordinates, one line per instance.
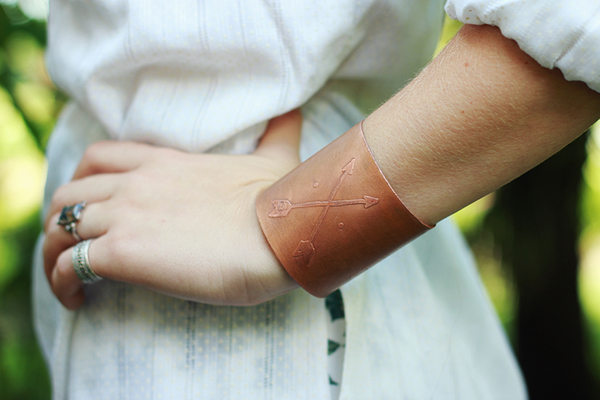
(281, 208)
(305, 250)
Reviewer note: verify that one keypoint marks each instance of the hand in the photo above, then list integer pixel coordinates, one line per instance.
(178, 223)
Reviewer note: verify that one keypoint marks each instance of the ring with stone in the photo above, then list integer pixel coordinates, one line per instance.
(81, 262)
(69, 217)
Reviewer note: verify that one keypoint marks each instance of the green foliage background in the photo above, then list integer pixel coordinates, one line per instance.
(28, 108)
(29, 105)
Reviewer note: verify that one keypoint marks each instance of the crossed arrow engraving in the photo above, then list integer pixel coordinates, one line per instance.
(282, 208)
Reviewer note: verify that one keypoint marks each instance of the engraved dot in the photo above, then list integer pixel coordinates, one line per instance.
(341, 225)
(315, 184)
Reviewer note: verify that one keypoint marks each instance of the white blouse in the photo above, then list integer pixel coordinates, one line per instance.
(206, 76)
(557, 34)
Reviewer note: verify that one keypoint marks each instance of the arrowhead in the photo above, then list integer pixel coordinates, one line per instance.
(281, 208)
(305, 250)
(370, 201)
(349, 167)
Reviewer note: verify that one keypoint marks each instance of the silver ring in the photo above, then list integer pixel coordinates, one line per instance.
(69, 217)
(81, 262)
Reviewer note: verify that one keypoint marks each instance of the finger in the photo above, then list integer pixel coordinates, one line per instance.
(94, 222)
(65, 283)
(56, 241)
(111, 157)
(92, 189)
(120, 257)
(282, 138)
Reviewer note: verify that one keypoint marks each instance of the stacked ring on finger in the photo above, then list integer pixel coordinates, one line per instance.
(69, 217)
(81, 263)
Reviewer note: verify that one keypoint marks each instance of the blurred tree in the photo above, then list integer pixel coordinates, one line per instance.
(22, 72)
(23, 374)
(28, 108)
(536, 223)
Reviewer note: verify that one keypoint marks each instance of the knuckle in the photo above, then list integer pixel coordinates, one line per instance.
(93, 151)
(50, 225)
(60, 195)
(118, 246)
(133, 181)
(64, 267)
(167, 152)
(49, 251)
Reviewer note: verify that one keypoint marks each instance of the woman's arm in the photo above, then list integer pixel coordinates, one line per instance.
(479, 116)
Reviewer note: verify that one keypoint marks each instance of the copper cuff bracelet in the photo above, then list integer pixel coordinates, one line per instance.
(334, 216)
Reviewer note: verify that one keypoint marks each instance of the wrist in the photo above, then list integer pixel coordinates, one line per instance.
(334, 216)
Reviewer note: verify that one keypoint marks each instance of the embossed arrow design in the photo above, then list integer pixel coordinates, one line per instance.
(282, 208)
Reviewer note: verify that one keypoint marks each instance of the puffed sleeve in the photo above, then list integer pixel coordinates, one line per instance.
(556, 33)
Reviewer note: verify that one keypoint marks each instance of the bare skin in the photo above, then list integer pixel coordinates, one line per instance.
(182, 224)
(481, 114)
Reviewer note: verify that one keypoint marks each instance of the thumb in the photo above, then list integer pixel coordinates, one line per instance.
(281, 140)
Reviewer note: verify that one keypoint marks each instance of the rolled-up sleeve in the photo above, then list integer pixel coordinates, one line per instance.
(556, 33)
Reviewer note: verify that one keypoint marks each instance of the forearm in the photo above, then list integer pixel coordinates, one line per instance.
(481, 114)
